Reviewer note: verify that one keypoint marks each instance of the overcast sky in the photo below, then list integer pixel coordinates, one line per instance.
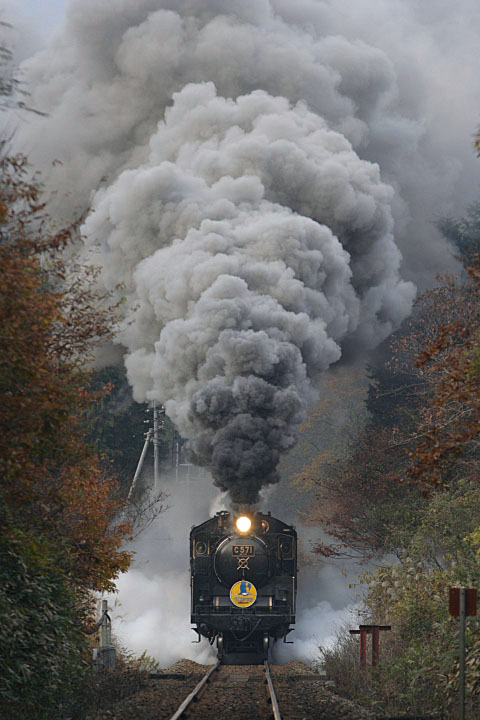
(34, 21)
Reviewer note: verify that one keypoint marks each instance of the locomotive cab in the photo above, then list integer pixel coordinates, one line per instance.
(243, 583)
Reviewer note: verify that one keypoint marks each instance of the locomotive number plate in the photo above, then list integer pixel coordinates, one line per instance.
(243, 550)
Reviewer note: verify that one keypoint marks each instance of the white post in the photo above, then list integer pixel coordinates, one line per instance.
(461, 679)
(105, 627)
(106, 652)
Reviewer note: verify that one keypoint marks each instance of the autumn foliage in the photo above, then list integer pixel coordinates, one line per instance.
(51, 320)
(449, 430)
(60, 535)
(406, 494)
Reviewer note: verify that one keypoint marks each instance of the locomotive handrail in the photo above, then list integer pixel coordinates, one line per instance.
(273, 697)
(190, 698)
(207, 609)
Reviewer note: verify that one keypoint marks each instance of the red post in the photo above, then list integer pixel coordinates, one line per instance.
(363, 644)
(363, 648)
(374, 630)
(375, 644)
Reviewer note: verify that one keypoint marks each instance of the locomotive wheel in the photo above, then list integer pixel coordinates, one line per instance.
(266, 644)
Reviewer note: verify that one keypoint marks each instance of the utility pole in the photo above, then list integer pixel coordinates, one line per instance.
(153, 435)
(156, 442)
(148, 437)
(177, 456)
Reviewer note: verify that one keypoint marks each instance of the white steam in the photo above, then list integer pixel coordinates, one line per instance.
(152, 607)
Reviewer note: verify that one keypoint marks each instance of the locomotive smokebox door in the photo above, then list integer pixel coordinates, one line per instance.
(238, 558)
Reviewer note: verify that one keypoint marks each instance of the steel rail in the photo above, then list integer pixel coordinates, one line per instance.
(273, 697)
(193, 695)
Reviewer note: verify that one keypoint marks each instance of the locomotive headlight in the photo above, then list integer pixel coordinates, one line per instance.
(244, 523)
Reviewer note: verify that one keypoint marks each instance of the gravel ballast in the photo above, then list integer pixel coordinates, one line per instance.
(238, 692)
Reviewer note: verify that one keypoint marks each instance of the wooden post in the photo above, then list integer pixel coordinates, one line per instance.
(363, 648)
(374, 631)
(375, 645)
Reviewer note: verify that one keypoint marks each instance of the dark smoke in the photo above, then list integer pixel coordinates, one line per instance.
(229, 152)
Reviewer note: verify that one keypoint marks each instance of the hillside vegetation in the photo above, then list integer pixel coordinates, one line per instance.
(406, 495)
(59, 541)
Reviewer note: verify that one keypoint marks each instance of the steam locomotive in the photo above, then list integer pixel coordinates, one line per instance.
(243, 584)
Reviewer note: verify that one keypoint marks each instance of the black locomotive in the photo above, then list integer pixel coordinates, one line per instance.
(243, 583)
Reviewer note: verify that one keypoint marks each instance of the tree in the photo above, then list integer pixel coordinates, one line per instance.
(448, 434)
(59, 529)
(410, 485)
(358, 505)
(51, 318)
(117, 425)
(44, 649)
(464, 233)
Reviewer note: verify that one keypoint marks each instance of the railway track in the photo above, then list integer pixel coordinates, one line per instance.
(246, 702)
(237, 692)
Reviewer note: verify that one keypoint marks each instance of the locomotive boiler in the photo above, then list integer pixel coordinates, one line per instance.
(243, 583)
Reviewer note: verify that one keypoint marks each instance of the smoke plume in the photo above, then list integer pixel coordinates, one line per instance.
(230, 156)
